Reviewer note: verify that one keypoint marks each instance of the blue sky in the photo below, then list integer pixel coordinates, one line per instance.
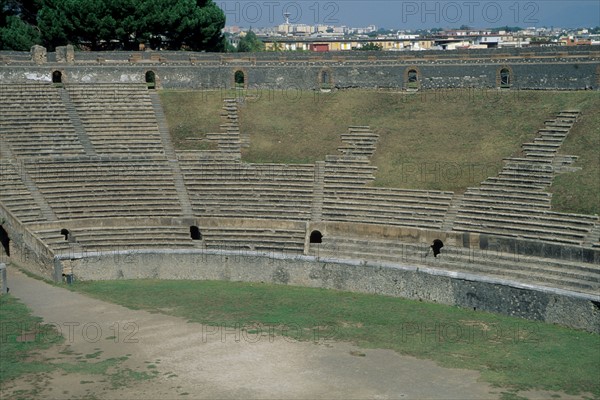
(416, 14)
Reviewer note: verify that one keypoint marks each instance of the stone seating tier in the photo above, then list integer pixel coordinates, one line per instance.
(499, 183)
(118, 119)
(257, 239)
(568, 275)
(528, 216)
(83, 187)
(35, 122)
(494, 228)
(502, 202)
(118, 238)
(383, 196)
(15, 196)
(252, 199)
(263, 210)
(520, 180)
(425, 221)
(541, 173)
(501, 195)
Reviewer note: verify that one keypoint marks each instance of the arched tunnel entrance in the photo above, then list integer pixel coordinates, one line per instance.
(5, 240)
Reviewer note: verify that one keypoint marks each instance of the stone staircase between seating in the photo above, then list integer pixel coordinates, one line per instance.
(35, 122)
(118, 119)
(516, 203)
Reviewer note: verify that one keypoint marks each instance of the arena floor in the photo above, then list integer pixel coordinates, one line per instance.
(194, 361)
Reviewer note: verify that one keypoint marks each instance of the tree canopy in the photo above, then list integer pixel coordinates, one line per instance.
(250, 43)
(112, 24)
(370, 47)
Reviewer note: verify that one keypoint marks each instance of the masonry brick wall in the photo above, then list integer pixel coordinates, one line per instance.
(556, 68)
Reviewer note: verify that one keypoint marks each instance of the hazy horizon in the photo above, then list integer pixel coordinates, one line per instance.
(392, 14)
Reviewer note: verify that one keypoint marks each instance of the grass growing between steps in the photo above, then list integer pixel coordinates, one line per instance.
(511, 353)
(438, 140)
(190, 116)
(579, 192)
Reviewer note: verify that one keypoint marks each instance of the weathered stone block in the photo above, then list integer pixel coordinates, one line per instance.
(39, 55)
(65, 54)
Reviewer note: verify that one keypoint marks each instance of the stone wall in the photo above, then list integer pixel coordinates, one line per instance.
(537, 76)
(26, 249)
(406, 281)
(557, 68)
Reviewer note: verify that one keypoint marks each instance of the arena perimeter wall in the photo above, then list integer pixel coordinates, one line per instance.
(557, 68)
(399, 280)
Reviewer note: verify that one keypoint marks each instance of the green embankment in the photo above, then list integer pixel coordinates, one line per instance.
(439, 140)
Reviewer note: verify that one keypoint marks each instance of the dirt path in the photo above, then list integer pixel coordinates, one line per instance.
(189, 360)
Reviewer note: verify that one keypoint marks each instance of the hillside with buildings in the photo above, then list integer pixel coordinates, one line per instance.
(320, 38)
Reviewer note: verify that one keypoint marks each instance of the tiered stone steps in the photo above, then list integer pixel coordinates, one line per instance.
(228, 140)
(516, 202)
(359, 141)
(149, 180)
(318, 191)
(568, 275)
(85, 187)
(450, 216)
(348, 170)
(229, 188)
(593, 238)
(77, 124)
(348, 199)
(34, 122)
(543, 225)
(117, 238)
(169, 149)
(279, 240)
(397, 207)
(118, 118)
(15, 195)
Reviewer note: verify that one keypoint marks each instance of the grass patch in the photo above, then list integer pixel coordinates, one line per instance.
(127, 376)
(509, 352)
(111, 369)
(22, 336)
(437, 140)
(579, 192)
(94, 355)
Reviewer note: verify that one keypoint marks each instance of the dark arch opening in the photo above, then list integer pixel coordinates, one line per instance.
(5, 240)
(436, 247)
(150, 79)
(316, 237)
(412, 79)
(239, 79)
(65, 233)
(195, 233)
(325, 79)
(57, 77)
(504, 78)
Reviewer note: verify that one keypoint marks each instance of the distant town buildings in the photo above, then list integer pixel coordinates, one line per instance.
(319, 38)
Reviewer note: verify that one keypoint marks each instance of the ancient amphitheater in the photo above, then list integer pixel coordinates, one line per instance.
(91, 187)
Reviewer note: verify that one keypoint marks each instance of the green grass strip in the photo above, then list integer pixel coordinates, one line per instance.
(509, 352)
